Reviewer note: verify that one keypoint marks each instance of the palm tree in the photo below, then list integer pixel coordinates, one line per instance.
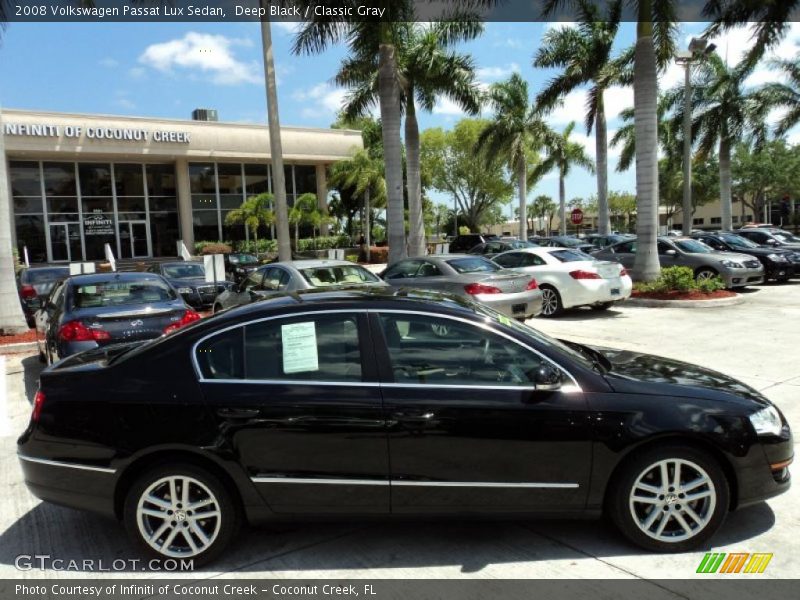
(542, 207)
(516, 130)
(584, 53)
(785, 95)
(305, 212)
(626, 136)
(254, 212)
(562, 154)
(426, 70)
(723, 113)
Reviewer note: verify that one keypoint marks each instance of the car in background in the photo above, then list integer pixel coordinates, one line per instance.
(350, 403)
(475, 278)
(567, 279)
(772, 236)
(601, 241)
(239, 265)
(778, 264)
(735, 270)
(34, 285)
(490, 249)
(565, 241)
(189, 279)
(465, 243)
(90, 311)
(293, 276)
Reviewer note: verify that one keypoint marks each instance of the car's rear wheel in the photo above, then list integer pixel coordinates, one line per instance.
(551, 301)
(670, 499)
(181, 511)
(705, 274)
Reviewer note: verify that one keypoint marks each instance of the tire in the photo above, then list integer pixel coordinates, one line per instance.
(603, 306)
(209, 536)
(551, 301)
(705, 273)
(636, 519)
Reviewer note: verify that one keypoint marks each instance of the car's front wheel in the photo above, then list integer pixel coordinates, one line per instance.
(670, 499)
(551, 301)
(705, 274)
(181, 511)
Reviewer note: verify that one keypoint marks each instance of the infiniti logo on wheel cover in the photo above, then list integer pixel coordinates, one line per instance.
(137, 323)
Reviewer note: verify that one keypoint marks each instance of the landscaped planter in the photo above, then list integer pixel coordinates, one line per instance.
(692, 299)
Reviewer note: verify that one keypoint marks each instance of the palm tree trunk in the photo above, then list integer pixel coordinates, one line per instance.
(367, 225)
(11, 318)
(276, 150)
(725, 183)
(562, 205)
(389, 93)
(645, 98)
(297, 236)
(416, 225)
(522, 183)
(601, 147)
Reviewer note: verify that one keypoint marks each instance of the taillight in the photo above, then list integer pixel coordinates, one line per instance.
(189, 316)
(473, 289)
(75, 331)
(28, 292)
(532, 285)
(38, 403)
(581, 274)
(623, 271)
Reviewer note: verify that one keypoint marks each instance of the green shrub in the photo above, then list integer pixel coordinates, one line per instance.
(324, 243)
(680, 279)
(265, 246)
(708, 286)
(207, 247)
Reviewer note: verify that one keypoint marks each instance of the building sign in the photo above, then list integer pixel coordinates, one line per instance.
(96, 133)
(98, 224)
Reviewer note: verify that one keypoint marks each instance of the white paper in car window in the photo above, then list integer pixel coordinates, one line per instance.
(299, 341)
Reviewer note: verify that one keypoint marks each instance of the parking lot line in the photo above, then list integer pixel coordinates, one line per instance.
(5, 421)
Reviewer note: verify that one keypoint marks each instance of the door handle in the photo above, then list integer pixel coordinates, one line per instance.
(238, 413)
(419, 419)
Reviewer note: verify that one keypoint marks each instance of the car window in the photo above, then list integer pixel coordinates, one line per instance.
(757, 236)
(663, 247)
(786, 237)
(737, 241)
(565, 256)
(337, 275)
(712, 243)
(478, 264)
(438, 351)
(626, 248)
(693, 246)
(184, 271)
(428, 269)
(253, 281)
(221, 356)
(57, 295)
(306, 348)
(34, 276)
(509, 260)
(101, 294)
(275, 279)
(402, 270)
(531, 260)
(479, 249)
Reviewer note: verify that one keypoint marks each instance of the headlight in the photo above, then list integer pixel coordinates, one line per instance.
(185, 290)
(777, 258)
(731, 264)
(767, 421)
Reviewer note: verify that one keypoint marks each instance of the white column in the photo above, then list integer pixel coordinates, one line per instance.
(322, 196)
(184, 191)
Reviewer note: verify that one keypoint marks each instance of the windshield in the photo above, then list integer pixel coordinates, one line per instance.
(786, 237)
(338, 275)
(44, 275)
(570, 256)
(516, 244)
(184, 271)
(737, 241)
(120, 293)
(243, 259)
(692, 246)
(473, 265)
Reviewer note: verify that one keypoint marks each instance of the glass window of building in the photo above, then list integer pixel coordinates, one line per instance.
(202, 179)
(161, 180)
(31, 235)
(230, 178)
(95, 179)
(25, 179)
(305, 179)
(59, 179)
(129, 180)
(256, 179)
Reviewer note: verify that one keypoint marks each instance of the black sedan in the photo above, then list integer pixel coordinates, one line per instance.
(354, 404)
(35, 285)
(238, 266)
(91, 311)
(189, 278)
(777, 263)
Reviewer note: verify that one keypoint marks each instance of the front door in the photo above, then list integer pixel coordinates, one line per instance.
(468, 431)
(133, 239)
(65, 242)
(298, 404)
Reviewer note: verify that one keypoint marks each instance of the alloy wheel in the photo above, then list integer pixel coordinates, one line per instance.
(672, 500)
(178, 516)
(549, 301)
(705, 275)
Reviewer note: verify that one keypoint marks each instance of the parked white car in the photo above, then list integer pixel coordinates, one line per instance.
(570, 278)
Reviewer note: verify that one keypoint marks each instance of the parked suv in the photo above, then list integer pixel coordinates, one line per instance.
(777, 263)
(735, 270)
(465, 243)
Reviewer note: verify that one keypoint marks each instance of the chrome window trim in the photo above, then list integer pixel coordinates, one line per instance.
(56, 463)
(410, 483)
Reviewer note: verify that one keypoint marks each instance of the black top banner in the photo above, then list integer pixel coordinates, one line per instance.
(145, 11)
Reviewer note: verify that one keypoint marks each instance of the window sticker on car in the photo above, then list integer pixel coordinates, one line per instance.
(299, 342)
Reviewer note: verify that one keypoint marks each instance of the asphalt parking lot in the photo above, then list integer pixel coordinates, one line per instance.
(756, 342)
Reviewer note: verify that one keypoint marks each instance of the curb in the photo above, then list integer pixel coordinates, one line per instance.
(653, 303)
(18, 348)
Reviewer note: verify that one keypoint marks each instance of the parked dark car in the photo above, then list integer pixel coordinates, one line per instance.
(34, 285)
(353, 404)
(90, 311)
(189, 279)
(495, 247)
(777, 263)
(465, 243)
(599, 241)
(238, 265)
(776, 238)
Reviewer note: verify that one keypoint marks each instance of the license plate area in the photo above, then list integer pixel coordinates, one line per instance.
(615, 291)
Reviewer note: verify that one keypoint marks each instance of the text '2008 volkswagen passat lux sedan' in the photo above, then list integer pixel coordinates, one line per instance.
(353, 404)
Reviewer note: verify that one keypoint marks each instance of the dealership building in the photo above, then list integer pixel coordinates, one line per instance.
(78, 182)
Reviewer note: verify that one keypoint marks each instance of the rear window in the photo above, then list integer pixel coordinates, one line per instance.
(338, 275)
(243, 259)
(120, 293)
(570, 256)
(187, 271)
(473, 265)
(43, 275)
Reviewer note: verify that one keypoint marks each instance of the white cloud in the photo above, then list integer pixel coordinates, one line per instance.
(108, 62)
(447, 107)
(210, 54)
(288, 27)
(588, 142)
(137, 72)
(495, 73)
(326, 100)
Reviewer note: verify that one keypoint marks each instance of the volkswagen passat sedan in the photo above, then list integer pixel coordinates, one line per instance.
(474, 278)
(189, 279)
(569, 278)
(351, 404)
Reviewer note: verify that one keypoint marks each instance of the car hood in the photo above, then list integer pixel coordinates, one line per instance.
(639, 373)
(763, 251)
(719, 256)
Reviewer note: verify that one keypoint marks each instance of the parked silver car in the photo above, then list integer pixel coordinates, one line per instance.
(295, 275)
(508, 292)
(735, 270)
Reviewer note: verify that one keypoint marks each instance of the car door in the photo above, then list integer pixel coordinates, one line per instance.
(298, 404)
(624, 253)
(49, 320)
(249, 289)
(467, 429)
(402, 273)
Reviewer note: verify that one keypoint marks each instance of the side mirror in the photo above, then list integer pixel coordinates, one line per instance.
(547, 378)
(772, 242)
(671, 252)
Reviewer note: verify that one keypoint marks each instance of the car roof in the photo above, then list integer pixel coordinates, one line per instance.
(118, 276)
(313, 263)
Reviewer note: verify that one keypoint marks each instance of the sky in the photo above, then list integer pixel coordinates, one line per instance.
(168, 69)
